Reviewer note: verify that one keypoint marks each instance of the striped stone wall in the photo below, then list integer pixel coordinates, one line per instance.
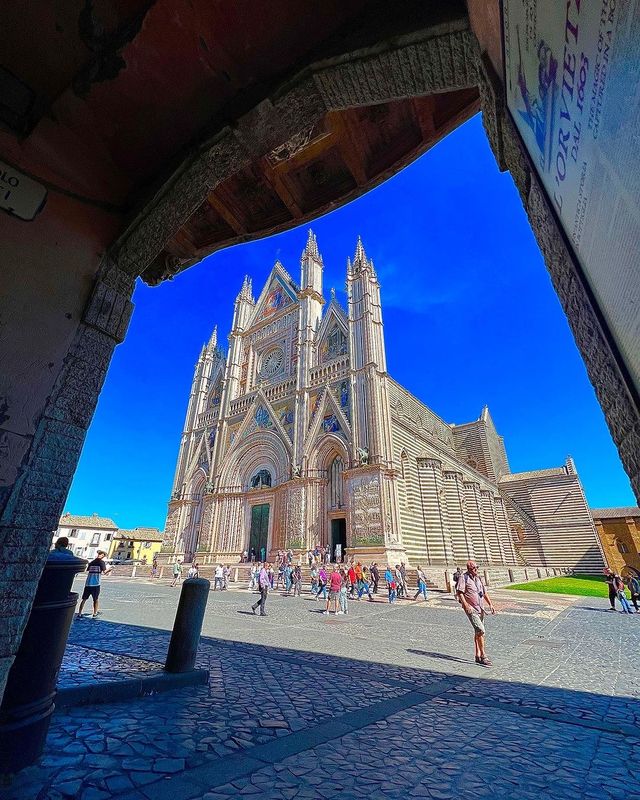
(555, 500)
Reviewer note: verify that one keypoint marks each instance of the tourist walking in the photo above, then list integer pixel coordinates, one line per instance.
(218, 578)
(177, 572)
(405, 582)
(634, 590)
(456, 578)
(422, 585)
(610, 578)
(253, 555)
(154, 568)
(226, 576)
(314, 580)
(388, 578)
(622, 597)
(352, 580)
(375, 577)
(364, 586)
(288, 579)
(263, 585)
(253, 577)
(399, 581)
(335, 584)
(96, 569)
(342, 597)
(322, 583)
(297, 581)
(472, 596)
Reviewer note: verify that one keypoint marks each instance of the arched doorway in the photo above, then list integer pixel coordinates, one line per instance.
(335, 502)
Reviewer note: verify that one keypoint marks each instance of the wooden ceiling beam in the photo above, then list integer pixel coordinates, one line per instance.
(277, 181)
(339, 123)
(424, 108)
(218, 205)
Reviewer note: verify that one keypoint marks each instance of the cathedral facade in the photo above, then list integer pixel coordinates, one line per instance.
(298, 436)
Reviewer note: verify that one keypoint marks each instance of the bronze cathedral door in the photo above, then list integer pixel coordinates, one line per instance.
(259, 531)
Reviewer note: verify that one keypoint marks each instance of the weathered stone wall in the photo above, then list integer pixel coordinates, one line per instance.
(615, 395)
(35, 501)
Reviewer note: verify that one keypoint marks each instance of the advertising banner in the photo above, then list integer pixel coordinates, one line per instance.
(572, 71)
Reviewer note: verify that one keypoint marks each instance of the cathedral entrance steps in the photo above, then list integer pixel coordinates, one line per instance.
(241, 573)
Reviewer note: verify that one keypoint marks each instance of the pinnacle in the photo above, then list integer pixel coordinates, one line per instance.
(246, 291)
(213, 341)
(360, 254)
(311, 248)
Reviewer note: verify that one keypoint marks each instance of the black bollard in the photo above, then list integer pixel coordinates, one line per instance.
(28, 704)
(185, 636)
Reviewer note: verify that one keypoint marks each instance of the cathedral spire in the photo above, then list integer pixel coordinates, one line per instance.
(213, 341)
(311, 266)
(360, 254)
(311, 248)
(246, 292)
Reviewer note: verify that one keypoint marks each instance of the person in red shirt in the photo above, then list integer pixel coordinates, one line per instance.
(352, 580)
(335, 582)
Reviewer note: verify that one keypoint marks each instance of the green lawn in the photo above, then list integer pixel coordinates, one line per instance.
(586, 585)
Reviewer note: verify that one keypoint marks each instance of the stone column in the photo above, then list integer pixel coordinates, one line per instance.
(35, 501)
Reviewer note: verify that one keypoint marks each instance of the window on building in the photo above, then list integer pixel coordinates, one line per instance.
(74, 532)
(404, 459)
(146, 545)
(622, 547)
(260, 479)
(95, 540)
(107, 537)
(335, 482)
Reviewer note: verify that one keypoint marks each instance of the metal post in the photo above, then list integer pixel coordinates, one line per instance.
(183, 647)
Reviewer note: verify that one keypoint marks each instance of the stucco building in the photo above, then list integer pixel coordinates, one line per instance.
(138, 544)
(299, 436)
(619, 532)
(86, 534)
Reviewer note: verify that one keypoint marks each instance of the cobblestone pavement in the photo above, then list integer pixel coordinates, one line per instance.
(86, 665)
(385, 702)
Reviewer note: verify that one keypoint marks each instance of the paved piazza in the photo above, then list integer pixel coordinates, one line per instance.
(385, 702)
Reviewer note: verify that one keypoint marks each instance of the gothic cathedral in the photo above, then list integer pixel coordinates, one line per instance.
(299, 437)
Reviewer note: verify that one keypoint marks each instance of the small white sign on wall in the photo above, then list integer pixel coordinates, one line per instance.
(20, 196)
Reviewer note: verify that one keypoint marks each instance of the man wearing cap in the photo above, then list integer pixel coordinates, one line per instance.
(472, 596)
(92, 585)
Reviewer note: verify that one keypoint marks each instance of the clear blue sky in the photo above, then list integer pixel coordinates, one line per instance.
(470, 319)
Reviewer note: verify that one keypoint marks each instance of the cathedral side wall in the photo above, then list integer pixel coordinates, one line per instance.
(556, 502)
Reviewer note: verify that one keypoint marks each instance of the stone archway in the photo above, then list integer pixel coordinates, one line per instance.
(115, 240)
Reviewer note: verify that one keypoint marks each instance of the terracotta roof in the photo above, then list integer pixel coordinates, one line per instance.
(140, 535)
(93, 521)
(615, 513)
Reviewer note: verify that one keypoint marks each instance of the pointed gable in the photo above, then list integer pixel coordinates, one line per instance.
(279, 292)
(333, 333)
(328, 418)
(261, 416)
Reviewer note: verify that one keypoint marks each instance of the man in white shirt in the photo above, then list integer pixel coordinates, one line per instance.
(218, 578)
(263, 585)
